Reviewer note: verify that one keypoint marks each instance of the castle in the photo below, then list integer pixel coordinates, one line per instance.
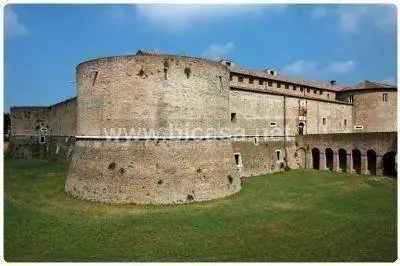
(158, 129)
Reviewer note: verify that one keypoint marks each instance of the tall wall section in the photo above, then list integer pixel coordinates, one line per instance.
(173, 116)
(43, 132)
(263, 120)
(372, 112)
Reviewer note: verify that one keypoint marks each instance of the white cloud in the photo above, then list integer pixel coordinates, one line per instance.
(175, 18)
(12, 24)
(304, 68)
(218, 51)
(300, 67)
(353, 18)
(319, 12)
(390, 80)
(350, 18)
(341, 67)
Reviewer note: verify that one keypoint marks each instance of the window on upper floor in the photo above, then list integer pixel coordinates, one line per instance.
(230, 77)
(269, 83)
(240, 79)
(294, 87)
(345, 122)
(251, 80)
(385, 97)
(324, 121)
(320, 92)
(308, 89)
(301, 89)
(351, 98)
(233, 117)
(286, 86)
(272, 124)
(278, 85)
(260, 82)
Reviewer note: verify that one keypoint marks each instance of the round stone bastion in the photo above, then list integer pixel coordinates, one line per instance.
(152, 129)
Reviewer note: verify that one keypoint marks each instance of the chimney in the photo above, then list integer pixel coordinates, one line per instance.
(271, 72)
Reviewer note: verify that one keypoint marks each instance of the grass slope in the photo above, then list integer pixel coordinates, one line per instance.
(301, 215)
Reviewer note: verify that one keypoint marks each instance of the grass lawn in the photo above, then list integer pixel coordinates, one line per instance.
(301, 215)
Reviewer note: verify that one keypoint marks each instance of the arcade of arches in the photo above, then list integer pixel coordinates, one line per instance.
(353, 161)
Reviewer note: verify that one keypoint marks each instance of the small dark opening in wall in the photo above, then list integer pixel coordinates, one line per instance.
(230, 179)
(260, 82)
(233, 117)
(160, 182)
(121, 171)
(166, 66)
(111, 166)
(141, 72)
(270, 83)
(190, 197)
(198, 170)
(240, 79)
(251, 81)
(187, 72)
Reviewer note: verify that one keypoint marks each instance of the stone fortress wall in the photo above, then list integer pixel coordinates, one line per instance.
(44, 132)
(150, 128)
(175, 113)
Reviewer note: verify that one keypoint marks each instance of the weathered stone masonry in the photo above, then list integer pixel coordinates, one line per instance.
(161, 129)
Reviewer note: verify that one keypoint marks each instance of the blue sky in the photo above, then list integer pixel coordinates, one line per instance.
(44, 43)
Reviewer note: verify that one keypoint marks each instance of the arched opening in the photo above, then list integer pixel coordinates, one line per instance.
(300, 156)
(389, 164)
(315, 158)
(342, 159)
(301, 128)
(371, 158)
(329, 158)
(356, 157)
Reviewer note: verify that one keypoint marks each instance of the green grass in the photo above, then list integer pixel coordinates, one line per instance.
(301, 215)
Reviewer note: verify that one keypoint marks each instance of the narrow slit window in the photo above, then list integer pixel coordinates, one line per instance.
(233, 117)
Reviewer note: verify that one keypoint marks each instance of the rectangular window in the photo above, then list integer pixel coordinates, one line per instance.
(240, 79)
(251, 81)
(230, 77)
(358, 127)
(294, 87)
(308, 89)
(301, 89)
(233, 117)
(260, 82)
(320, 92)
(278, 155)
(315, 91)
(269, 83)
(385, 97)
(238, 159)
(278, 84)
(286, 86)
(272, 124)
(350, 98)
(324, 121)
(345, 122)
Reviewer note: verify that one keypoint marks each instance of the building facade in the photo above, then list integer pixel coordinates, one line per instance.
(159, 129)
